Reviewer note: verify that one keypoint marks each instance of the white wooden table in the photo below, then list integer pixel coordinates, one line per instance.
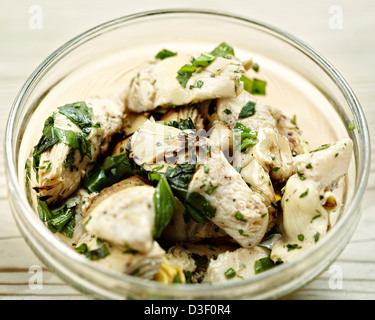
(348, 44)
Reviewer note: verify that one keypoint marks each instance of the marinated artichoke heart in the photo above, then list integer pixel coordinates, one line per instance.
(308, 203)
(151, 147)
(155, 84)
(72, 140)
(124, 216)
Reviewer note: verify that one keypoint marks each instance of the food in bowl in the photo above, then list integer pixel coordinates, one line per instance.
(187, 177)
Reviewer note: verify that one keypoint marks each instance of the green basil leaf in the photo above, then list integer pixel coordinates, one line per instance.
(57, 220)
(230, 273)
(45, 213)
(263, 264)
(79, 113)
(198, 207)
(82, 248)
(244, 136)
(204, 60)
(179, 178)
(322, 147)
(223, 50)
(185, 73)
(112, 170)
(255, 86)
(163, 54)
(200, 261)
(184, 124)
(247, 110)
(165, 206)
(48, 138)
(61, 218)
(68, 229)
(75, 140)
(97, 254)
(197, 84)
(259, 87)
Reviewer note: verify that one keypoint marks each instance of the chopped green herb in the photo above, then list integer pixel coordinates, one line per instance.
(316, 236)
(316, 216)
(247, 110)
(79, 113)
(176, 279)
(230, 273)
(97, 254)
(239, 216)
(255, 86)
(187, 275)
(198, 207)
(60, 219)
(294, 120)
(255, 67)
(223, 50)
(275, 169)
(204, 60)
(197, 84)
(301, 175)
(206, 168)
(164, 53)
(179, 178)
(227, 111)
(242, 233)
(309, 166)
(263, 264)
(244, 136)
(157, 168)
(165, 206)
(184, 124)
(291, 247)
(301, 237)
(351, 125)
(211, 189)
(322, 147)
(82, 248)
(112, 170)
(304, 194)
(200, 261)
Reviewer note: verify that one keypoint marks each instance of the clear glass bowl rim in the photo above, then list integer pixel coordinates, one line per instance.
(22, 207)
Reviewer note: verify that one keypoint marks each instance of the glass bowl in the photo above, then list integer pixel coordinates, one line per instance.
(103, 59)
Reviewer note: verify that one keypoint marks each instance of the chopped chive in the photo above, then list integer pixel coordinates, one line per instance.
(351, 125)
(211, 189)
(247, 110)
(230, 273)
(301, 175)
(304, 194)
(294, 246)
(239, 216)
(322, 147)
(163, 54)
(316, 236)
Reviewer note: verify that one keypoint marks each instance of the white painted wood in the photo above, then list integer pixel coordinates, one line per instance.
(351, 49)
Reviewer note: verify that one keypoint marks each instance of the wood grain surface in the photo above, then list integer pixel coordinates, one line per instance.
(348, 44)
